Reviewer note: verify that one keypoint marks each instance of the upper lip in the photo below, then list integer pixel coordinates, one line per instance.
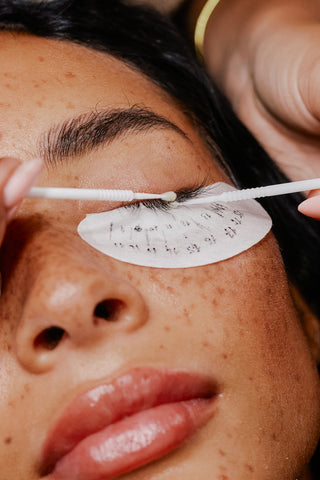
(135, 391)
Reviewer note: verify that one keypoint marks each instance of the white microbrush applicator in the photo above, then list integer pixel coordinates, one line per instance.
(257, 192)
(129, 195)
(97, 194)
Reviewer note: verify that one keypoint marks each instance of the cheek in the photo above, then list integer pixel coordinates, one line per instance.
(247, 293)
(238, 312)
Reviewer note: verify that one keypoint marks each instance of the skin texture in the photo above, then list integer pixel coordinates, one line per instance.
(233, 321)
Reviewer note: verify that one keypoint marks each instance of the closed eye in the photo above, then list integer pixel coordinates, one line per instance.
(162, 205)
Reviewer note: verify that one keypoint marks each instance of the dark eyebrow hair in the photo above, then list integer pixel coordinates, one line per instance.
(86, 132)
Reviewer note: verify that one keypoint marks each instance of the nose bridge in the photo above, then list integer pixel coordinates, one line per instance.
(72, 302)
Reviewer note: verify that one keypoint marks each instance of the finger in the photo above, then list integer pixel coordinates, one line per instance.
(286, 76)
(20, 182)
(311, 207)
(16, 179)
(314, 193)
(308, 75)
(7, 167)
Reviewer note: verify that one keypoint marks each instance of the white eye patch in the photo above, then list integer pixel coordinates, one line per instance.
(182, 236)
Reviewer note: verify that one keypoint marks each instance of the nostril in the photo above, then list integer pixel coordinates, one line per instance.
(108, 310)
(49, 338)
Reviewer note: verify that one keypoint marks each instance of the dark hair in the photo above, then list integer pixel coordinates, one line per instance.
(151, 44)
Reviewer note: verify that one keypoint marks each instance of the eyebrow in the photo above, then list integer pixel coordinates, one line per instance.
(83, 134)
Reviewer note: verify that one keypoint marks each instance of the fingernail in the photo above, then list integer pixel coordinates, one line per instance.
(311, 207)
(21, 181)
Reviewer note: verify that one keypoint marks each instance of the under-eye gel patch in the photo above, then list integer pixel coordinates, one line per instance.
(180, 237)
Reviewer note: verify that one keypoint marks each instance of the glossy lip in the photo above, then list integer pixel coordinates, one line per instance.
(176, 402)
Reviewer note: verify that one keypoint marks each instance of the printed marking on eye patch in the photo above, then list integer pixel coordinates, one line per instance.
(181, 237)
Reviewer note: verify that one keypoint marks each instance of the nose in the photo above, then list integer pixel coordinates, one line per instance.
(74, 303)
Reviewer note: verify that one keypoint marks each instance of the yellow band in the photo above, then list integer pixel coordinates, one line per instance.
(201, 25)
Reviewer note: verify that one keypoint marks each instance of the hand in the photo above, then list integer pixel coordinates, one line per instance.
(265, 55)
(15, 181)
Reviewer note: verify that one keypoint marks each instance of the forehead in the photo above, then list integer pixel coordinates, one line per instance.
(59, 69)
(44, 82)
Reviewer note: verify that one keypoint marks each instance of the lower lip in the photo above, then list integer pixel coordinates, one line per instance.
(133, 441)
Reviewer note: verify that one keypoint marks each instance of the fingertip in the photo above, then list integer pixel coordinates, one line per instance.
(7, 167)
(21, 181)
(311, 207)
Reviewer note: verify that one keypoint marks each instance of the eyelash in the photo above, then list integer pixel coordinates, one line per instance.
(162, 205)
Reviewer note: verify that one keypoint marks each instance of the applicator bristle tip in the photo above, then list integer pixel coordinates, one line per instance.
(169, 196)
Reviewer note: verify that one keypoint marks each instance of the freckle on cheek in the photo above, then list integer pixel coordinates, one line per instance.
(186, 315)
(9, 75)
(185, 280)
(297, 378)
(250, 468)
(7, 440)
(69, 75)
(220, 290)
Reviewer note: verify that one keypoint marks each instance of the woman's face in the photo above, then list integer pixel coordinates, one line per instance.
(202, 372)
